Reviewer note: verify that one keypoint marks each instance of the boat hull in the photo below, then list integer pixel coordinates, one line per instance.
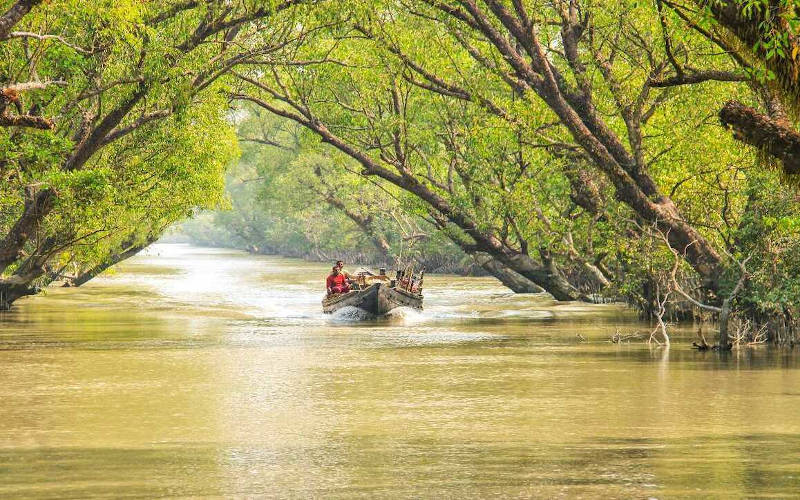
(377, 299)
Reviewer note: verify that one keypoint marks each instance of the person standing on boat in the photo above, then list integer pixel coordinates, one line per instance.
(337, 282)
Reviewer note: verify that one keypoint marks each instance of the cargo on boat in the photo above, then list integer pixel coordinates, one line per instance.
(378, 295)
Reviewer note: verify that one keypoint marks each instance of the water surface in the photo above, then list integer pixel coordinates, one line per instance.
(204, 372)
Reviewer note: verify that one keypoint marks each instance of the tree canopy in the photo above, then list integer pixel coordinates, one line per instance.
(580, 148)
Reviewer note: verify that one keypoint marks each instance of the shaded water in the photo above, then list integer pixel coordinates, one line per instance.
(199, 372)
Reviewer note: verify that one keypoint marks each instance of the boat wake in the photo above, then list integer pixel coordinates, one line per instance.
(406, 314)
(400, 314)
(350, 313)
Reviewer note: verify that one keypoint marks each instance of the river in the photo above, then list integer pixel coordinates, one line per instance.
(208, 372)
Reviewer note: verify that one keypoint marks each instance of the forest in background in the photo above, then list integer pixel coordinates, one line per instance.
(642, 151)
(284, 198)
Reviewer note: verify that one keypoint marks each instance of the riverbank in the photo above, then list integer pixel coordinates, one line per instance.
(208, 372)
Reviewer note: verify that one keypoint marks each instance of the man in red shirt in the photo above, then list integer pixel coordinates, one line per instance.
(337, 282)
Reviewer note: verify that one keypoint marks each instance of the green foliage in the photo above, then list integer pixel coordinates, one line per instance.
(163, 155)
(277, 203)
(438, 139)
(510, 167)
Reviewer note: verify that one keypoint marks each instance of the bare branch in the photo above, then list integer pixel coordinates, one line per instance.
(120, 132)
(265, 142)
(696, 76)
(25, 86)
(29, 121)
(37, 36)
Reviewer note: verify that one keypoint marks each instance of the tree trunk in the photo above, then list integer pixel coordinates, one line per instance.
(19, 284)
(507, 276)
(509, 261)
(584, 191)
(771, 136)
(546, 277)
(37, 206)
(746, 20)
(724, 317)
(14, 15)
(111, 261)
(11, 292)
(636, 189)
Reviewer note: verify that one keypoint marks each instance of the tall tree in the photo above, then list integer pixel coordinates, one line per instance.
(90, 82)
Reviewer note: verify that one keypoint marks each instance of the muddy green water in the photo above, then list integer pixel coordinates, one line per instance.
(199, 372)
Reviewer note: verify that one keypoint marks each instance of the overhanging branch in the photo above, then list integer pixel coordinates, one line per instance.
(773, 137)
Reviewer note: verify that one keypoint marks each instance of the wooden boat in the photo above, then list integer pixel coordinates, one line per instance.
(378, 299)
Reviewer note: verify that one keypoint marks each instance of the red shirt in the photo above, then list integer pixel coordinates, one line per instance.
(338, 280)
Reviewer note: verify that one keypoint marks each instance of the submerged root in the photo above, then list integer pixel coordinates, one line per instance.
(703, 345)
(745, 332)
(659, 334)
(619, 337)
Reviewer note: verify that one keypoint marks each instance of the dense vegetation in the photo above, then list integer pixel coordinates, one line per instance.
(286, 198)
(114, 126)
(582, 148)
